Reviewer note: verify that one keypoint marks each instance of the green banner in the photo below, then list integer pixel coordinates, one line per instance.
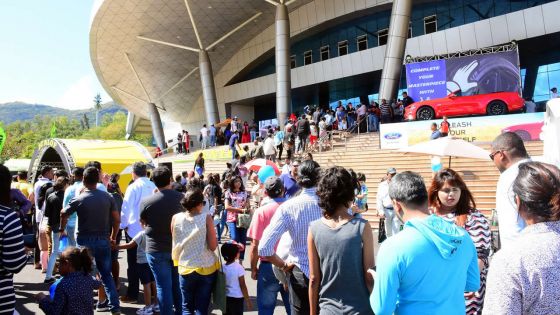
(2, 139)
(53, 130)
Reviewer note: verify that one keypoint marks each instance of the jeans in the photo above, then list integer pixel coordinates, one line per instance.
(167, 282)
(350, 121)
(196, 290)
(298, 283)
(268, 288)
(253, 135)
(213, 140)
(233, 152)
(373, 123)
(392, 223)
(100, 249)
(71, 233)
(239, 235)
(54, 254)
(222, 224)
(131, 271)
(302, 142)
(204, 142)
(280, 148)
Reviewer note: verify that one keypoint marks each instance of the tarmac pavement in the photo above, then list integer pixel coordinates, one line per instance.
(30, 282)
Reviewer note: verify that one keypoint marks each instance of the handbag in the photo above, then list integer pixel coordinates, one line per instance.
(219, 290)
(243, 220)
(382, 232)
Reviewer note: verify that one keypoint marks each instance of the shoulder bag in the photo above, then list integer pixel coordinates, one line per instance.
(219, 290)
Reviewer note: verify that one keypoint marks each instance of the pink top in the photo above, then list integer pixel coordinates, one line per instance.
(261, 219)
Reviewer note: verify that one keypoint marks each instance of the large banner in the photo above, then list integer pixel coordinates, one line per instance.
(478, 74)
(472, 129)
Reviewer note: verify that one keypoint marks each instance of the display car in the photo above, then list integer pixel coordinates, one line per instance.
(527, 132)
(498, 103)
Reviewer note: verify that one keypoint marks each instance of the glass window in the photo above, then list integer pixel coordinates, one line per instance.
(307, 57)
(362, 42)
(324, 53)
(430, 24)
(343, 48)
(382, 36)
(293, 61)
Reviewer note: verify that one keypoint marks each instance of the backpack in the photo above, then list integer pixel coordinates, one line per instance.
(43, 194)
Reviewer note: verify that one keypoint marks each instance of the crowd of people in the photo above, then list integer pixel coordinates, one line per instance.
(302, 232)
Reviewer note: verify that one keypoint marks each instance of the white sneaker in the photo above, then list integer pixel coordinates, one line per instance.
(155, 308)
(146, 310)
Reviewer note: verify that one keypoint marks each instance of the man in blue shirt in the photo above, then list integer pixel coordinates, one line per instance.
(435, 132)
(289, 180)
(234, 144)
(429, 265)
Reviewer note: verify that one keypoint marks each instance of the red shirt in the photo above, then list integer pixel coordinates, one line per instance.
(444, 127)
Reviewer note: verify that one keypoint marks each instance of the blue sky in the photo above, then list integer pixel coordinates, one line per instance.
(44, 53)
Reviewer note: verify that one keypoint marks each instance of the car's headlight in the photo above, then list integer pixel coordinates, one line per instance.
(410, 117)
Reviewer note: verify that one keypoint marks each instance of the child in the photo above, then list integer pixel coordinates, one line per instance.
(236, 289)
(144, 273)
(74, 292)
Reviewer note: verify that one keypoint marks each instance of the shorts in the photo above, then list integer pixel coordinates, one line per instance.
(145, 273)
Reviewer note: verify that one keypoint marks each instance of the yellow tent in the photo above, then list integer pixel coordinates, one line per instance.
(114, 155)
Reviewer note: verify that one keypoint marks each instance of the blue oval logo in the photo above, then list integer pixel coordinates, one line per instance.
(392, 135)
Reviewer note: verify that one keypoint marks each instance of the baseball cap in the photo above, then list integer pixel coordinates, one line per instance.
(273, 185)
(391, 170)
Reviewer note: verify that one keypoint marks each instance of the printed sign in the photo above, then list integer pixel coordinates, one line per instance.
(472, 75)
(472, 129)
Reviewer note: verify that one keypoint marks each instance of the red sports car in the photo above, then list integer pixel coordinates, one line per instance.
(498, 103)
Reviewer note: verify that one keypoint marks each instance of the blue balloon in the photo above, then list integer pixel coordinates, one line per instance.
(265, 172)
(436, 167)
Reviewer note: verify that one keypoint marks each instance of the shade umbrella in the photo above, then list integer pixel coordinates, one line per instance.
(256, 164)
(223, 123)
(128, 169)
(448, 146)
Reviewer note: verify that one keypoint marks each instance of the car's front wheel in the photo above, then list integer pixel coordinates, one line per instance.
(425, 113)
(496, 108)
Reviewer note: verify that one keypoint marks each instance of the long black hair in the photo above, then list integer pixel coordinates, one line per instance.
(5, 186)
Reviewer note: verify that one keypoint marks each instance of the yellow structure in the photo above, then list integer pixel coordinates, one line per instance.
(114, 155)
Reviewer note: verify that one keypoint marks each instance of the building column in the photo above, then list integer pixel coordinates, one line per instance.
(208, 88)
(283, 68)
(396, 44)
(157, 127)
(530, 80)
(129, 124)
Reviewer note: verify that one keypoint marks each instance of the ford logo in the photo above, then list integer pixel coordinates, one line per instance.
(392, 136)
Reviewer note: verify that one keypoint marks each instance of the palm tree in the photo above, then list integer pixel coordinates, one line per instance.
(97, 108)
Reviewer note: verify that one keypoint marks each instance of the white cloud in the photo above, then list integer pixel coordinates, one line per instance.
(81, 93)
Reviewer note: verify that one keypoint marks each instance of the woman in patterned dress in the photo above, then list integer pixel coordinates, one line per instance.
(450, 198)
(236, 202)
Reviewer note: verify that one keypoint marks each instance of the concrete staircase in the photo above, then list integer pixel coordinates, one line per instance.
(362, 154)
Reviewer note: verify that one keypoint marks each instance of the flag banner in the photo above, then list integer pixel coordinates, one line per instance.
(2, 139)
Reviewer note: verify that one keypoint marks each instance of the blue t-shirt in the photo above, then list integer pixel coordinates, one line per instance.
(232, 140)
(290, 185)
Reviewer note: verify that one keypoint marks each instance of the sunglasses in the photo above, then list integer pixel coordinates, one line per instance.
(493, 154)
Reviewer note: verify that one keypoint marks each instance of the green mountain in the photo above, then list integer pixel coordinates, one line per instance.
(14, 111)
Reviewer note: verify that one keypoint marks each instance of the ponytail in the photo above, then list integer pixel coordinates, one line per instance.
(79, 258)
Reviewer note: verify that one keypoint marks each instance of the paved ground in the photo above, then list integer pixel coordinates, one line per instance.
(30, 282)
